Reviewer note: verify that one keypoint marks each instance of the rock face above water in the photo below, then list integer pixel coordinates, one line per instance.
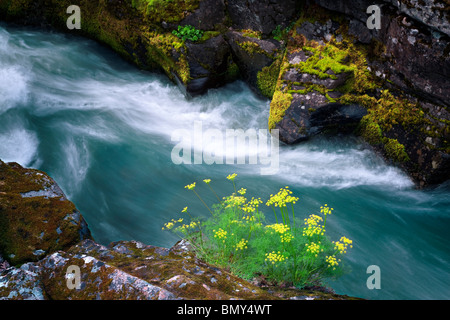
(43, 238)
(306, 56)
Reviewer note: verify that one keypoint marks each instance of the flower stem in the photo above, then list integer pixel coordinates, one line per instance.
(203, 202)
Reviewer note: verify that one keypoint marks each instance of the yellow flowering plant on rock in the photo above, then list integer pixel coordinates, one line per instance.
(236, 236)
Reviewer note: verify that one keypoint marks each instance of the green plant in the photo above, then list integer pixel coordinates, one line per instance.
(188, 32)
(279, 33)
(237, 237)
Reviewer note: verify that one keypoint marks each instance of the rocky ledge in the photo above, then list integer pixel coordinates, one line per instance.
(322, 67)
(43, 238)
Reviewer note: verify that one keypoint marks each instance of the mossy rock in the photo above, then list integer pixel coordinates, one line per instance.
(131, 270)
(35, 216)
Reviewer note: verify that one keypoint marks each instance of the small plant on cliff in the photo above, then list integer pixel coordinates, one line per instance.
(237, 237)
(188, 33)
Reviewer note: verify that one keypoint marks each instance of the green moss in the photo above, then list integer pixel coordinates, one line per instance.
(267, 78)
(252, 34)
(233, 72)
(390, 111)
(158, 11)
(209, 34)
(395, 150)
(252, 48)
(325, 58)
(370, 131)
(160, 52)
(280, 103)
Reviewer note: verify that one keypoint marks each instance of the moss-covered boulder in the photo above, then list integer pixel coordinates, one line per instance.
(131, 270)
(35, 217)
(258, 59)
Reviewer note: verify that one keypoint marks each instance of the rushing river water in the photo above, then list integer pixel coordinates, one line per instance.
(102, 129)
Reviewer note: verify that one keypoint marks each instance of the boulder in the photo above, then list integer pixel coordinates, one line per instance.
(209, 62)
(252, 55)
(36, 218)
(263, 15)
(131, 270)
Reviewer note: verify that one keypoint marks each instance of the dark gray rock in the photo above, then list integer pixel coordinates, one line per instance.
(262, 15)
(208, 63)
(261, 53)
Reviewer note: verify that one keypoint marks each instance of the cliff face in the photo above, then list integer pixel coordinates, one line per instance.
(324, 70)
(43, 238)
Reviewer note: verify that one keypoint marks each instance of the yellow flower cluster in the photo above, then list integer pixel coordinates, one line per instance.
(312, 226)
(255, 202)
(231, 176)
(281, 198)
(207, 181)
(343, 244)
(241, 245)
(220, 234)
(184, 210)
(248, 218)
(190, 186)
(332, 261)
(233, 200)
(326, 210)
(169, 225)
(248, 208)
(278, 227)
(252, 205)
(313, 248)
(287, 237)
(185, 227)
(313, 220)
(242, 191)
(275, 257)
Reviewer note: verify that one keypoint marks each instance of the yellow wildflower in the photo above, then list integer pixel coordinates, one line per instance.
(332, 262)
(241, 245)
(313, 248)
(275, 257)
(326, 210)
(190, 186)
(207, 181)
(231, 176)
(220, 234)
(342, 245)
(278, 227)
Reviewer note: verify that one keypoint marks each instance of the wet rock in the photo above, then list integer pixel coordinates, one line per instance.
(208, 64)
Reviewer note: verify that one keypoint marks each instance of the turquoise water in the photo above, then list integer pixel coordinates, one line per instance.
(102, 129)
